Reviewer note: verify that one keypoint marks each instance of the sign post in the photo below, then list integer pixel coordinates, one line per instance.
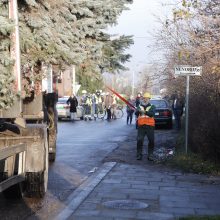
(187, 71)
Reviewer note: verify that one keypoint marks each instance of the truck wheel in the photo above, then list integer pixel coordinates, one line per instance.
(13, 192)
(36, 182)
(52, 157)
(52, 147)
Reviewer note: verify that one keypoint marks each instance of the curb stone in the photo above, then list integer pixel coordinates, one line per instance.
(82, 192)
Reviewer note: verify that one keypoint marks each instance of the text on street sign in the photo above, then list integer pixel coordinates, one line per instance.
(188, 70)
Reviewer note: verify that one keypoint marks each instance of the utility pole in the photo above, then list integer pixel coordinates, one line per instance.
(132, 83)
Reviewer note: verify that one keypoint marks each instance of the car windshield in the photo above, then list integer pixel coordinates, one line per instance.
(62, 100)
(159, 103)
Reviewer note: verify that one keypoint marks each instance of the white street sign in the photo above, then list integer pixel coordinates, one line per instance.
(188, 70)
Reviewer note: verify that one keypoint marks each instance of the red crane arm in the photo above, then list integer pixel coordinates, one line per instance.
(122, 98)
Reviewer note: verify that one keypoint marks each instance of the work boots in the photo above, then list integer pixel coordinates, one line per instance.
(139, 150)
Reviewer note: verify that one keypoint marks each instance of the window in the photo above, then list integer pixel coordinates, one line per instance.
(159, 103)
(62, 100)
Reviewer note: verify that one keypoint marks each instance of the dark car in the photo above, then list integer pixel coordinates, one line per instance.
(163, 112)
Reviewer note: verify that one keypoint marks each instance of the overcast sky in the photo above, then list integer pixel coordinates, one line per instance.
(140, 22)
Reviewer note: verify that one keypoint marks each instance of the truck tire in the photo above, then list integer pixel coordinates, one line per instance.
(36, 182)
(13, 192)
(52, 157)
(52, 134)
(52, 147)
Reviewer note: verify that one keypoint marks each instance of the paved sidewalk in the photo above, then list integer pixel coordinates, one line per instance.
(131, 189)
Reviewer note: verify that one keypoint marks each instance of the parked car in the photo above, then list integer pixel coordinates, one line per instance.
(163, 112)
(63, 109)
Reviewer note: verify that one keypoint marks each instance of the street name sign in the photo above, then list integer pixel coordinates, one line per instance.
(188, 70)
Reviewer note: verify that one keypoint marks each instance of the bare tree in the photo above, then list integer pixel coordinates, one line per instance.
(191, 37)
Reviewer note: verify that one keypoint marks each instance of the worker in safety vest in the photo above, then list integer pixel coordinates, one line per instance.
(88, 107)
(146, 125)
(98, 99)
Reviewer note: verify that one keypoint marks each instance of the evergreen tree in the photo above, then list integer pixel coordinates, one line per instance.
(113, 54)
(56, 32)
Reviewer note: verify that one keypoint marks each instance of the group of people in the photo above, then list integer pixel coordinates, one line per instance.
(93, 104)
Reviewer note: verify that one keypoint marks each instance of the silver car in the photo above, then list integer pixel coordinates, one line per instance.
(63, 109)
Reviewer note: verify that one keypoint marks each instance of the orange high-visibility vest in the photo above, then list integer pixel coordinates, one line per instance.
(146, 120)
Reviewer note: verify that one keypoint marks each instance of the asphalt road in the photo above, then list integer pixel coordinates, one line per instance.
(81, 147)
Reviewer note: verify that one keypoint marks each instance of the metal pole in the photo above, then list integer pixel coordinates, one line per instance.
(132, 83)
(187, 113)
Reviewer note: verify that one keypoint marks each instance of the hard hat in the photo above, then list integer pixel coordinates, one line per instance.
(147, 95)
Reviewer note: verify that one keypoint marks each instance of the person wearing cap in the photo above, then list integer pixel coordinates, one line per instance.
(88, 107)
(146, 125)
(98, 99)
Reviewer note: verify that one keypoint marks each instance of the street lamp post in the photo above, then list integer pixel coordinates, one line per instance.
(132, 83)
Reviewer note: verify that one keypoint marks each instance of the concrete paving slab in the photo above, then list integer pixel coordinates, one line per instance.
(165, 202)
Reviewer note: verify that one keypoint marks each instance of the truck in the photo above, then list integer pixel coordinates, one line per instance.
(28, 133)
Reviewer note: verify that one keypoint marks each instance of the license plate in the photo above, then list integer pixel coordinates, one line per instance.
(63, 113)
(157, 113)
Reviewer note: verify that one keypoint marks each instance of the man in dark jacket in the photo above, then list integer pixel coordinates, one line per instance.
(73, 102)
(177, 106)
(130, 110)
(138, 100)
